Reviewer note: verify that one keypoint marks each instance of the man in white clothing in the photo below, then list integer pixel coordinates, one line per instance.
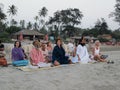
(82, 52)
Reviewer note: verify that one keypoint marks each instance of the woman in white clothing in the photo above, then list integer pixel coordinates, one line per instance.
(74, 56)
(96, 52)
(82, 51)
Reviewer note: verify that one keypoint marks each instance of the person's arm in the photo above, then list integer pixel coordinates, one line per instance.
(74, 51)
(25, 56)
(78, 57)
(77, 52)
(13, 54)
(99, 52)
(32, 57)
(93, 51)
(54, 54)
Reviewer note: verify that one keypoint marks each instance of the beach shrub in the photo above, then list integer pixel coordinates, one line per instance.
(4, 37)
(103, 40)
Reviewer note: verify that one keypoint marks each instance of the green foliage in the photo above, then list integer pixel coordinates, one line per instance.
(43, 30)
(2, 15)
(116, 13)
(100, 28)
(116, 34)
(29, 25)
(103, 40)
(4, 36)
(12, 29)
(12, 10)
(93, 32)
(65, 21)
(43, 12)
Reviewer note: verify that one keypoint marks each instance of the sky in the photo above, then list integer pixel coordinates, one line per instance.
(91, 9)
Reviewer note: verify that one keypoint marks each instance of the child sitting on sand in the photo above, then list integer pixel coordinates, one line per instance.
(3, 61)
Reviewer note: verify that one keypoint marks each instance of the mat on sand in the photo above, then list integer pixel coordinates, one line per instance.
(36, 68)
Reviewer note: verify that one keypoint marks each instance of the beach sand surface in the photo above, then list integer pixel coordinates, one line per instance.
(97, 76)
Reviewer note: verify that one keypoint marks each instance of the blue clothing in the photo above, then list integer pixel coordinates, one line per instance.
(59, 55)
(20, 63)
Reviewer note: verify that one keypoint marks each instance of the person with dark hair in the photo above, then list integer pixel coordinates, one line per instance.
(58, 54)
(18, 55)
(3, 61)
(50, 49)
(82, 52)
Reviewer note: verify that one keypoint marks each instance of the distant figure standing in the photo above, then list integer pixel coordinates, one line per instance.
(3, 61)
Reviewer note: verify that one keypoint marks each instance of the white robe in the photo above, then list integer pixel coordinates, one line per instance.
(83, 54)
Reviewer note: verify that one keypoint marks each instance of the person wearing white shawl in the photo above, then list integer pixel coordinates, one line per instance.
(82, 52)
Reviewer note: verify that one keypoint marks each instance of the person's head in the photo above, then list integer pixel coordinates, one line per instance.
(82, 41)
(43, 46)
(97, 43)
(48, 43)
(36, 44)
(59, 42)
(1, 46)
(17, 44)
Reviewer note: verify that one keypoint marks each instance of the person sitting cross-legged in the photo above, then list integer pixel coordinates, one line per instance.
(18, 55)
(36, 56)
(58, 54)
(96, 52)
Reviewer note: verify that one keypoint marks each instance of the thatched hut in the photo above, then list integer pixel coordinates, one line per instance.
(28, 34)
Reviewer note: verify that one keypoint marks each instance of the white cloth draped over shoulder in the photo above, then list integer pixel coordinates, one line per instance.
(82, 52)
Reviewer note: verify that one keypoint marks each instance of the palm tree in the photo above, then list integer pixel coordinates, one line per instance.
(22, 24)
(13, 22)
(43, 12)
(36, 23)
(36, 18)
(12, 11)
(29, 25)
(2, 15)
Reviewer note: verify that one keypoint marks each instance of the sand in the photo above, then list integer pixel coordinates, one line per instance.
(98, 76)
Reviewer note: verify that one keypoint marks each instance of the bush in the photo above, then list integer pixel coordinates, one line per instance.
(103, 40)
(4, 36)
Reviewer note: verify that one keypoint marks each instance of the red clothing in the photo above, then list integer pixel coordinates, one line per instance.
(3, 61)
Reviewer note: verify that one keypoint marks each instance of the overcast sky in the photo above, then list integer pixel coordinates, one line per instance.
(91, 9)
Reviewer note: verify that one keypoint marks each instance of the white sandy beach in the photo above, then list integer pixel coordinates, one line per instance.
(98, 76)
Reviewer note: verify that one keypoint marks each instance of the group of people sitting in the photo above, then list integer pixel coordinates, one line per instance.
(45, 53)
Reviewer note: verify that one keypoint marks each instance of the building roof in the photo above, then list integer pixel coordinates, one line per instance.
(29, 32)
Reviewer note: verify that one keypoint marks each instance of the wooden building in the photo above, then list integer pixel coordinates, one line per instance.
(28, 35)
